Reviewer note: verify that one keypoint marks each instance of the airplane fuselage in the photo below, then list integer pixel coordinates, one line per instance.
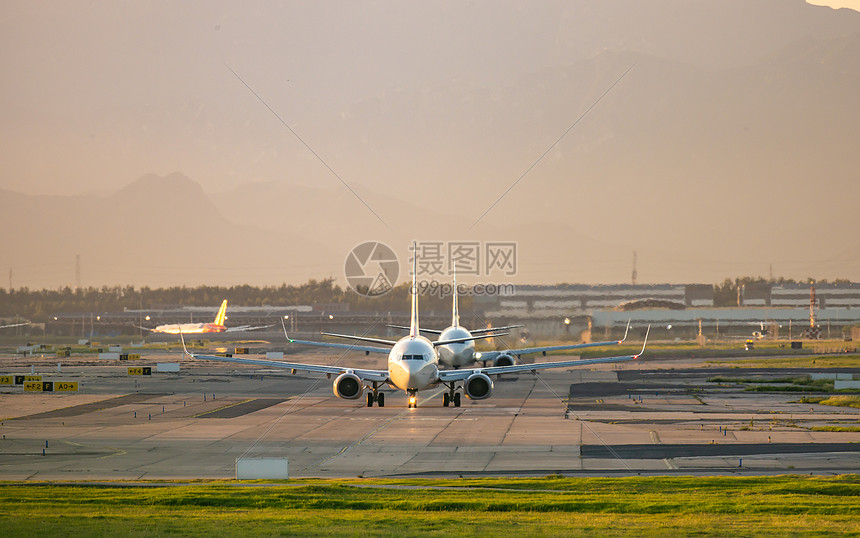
(189, 328)
(413, 364)
(459, 354)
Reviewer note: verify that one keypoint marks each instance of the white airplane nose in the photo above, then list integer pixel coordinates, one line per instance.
(413, 367)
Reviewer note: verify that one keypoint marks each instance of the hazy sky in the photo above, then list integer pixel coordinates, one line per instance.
(837, 4)
(700, 159)
(96, 94)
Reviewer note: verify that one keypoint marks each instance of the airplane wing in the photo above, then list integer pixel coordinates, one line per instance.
(405, 328)
(491, 329)
(246, 328)
(490, 355)
(476, 331)
(366, 374)
(371, 349)
(438, 343)
(351, 347)
(362, 338)
(463, 373)
(14, 325)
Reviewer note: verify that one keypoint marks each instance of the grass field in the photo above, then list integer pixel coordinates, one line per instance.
(551, 506)
(811, 361)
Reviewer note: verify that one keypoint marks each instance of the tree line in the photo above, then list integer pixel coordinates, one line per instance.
(39, 305)
(726, 294)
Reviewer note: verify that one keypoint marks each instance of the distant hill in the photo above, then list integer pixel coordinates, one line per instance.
(155, 231)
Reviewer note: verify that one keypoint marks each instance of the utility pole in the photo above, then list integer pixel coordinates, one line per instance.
(77, 272)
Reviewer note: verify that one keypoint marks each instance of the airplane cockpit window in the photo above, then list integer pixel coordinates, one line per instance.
(413, 357)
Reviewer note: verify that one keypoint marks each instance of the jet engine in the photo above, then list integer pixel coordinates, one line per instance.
(478, 386)
(348, 386)
(505, 360)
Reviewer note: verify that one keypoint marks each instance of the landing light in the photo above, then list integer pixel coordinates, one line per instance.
(477, 356)
(412, 400)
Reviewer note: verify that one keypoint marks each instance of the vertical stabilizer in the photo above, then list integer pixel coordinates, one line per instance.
(455, 312)
(222, 314)
(413, 324)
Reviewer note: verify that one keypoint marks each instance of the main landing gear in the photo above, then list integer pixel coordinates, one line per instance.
(451, 396)
(375, 396)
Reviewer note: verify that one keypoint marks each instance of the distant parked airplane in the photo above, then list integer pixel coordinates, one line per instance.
(199, 328)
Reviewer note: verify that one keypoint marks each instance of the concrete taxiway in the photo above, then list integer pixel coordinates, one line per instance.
(649, 417)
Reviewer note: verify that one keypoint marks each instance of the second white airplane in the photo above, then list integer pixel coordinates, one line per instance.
(460, 354)
(413, 366)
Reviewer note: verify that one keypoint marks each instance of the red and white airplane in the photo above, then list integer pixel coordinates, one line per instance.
(216, 326)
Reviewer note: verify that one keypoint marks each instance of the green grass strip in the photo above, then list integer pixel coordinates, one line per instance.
(754, 506)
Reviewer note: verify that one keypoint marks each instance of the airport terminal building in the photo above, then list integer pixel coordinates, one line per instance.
(556, 310)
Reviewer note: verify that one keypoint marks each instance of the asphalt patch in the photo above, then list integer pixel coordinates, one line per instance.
(242, 408)
(83, 409)
(608, 389)
(658, 452)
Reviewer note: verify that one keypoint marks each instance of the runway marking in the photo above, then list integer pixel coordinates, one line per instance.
(655, 438)
(370, 434)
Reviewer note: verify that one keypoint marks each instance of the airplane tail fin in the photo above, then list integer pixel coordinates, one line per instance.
(455, 313)
(222, 314)
(413, 324)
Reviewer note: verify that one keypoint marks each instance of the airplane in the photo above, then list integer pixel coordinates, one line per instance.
(14, 325)
(413, 366)
(199, 328)
(457, 355)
